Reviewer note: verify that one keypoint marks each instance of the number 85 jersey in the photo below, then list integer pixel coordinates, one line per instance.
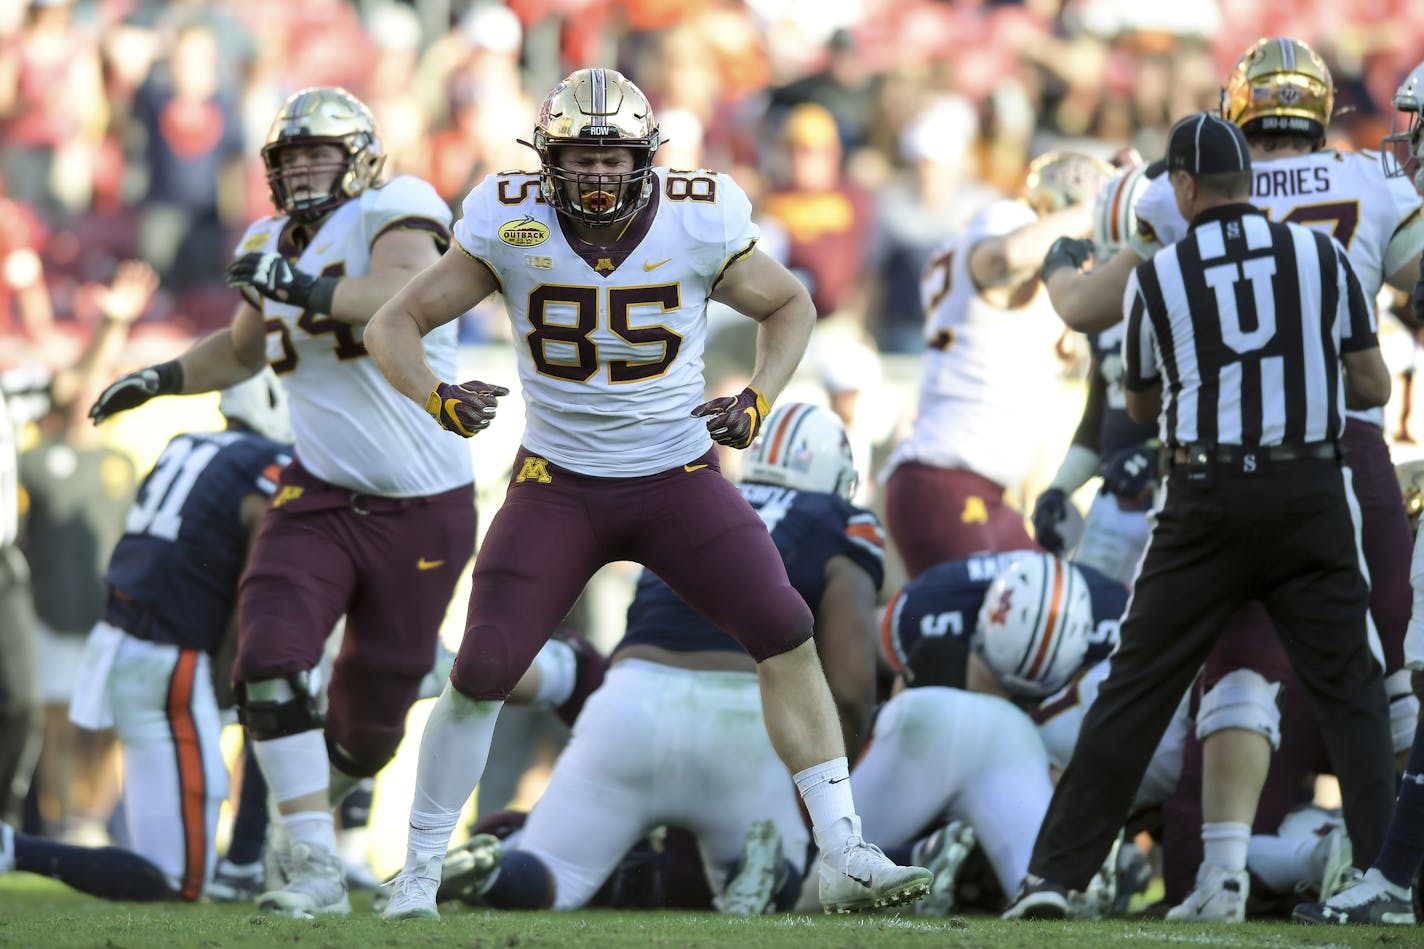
(609, 339)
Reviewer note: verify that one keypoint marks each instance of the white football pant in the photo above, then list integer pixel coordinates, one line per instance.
(658, 745)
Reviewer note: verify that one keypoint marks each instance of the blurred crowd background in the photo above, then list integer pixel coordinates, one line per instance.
(865, 132)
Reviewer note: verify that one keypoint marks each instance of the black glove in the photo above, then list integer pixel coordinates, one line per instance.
(273, 276)
(734, 419)
(1417, 301)
(1048, 512)
(1066, 252)
(1131, 473)
(136, 388)
(465, 409)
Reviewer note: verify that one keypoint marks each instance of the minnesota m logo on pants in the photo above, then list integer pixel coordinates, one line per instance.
(535, 469)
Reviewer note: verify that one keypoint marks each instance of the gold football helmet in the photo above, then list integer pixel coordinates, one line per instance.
(322, 115)
(1280, 85)
(1403, 149)
(596, 108)
(1057, 180)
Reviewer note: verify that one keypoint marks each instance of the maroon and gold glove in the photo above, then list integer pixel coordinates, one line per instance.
(463, 409)
(734, 420)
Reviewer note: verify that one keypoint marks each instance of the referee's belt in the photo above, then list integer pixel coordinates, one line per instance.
(1247, 459)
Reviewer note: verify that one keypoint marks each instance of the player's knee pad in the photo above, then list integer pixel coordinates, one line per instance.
(364, 763)
(1242, 699)
(1403, 709)
(276, 708)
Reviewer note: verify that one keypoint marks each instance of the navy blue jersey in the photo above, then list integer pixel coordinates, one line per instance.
(174, 572)
(931, 621)
(809, 528)
(1119, 431)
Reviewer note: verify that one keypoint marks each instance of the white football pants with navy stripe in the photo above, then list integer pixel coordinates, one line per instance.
(160, 700)
(658, 745)
(940, 754)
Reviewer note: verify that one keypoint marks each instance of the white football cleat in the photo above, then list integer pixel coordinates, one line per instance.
(749, 893)
(944, 852)
(861, 877)
(315, 885)
(1337, 859)
(468, 870)
(235, 883)
(413, 892)
(1371, 901)
(1218, 897)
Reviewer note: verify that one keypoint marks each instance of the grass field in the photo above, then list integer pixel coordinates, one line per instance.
(40, 913)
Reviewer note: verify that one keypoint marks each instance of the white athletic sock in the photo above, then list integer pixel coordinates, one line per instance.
(825, 789)
(1224, 844)
(558, 672)
(1281, 862)
(316, 829)
(453, 752)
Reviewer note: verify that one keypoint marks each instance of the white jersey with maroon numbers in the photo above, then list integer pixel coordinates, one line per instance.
(609, 340)
(352, 428)
(1345, 194)
(986, 367)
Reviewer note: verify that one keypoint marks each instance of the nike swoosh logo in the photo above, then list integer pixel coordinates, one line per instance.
(838, 780)
(868, 882)
(691, 468)
(650, 265)
(423, 564)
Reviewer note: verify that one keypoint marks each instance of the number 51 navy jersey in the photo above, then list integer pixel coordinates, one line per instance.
(173, 575)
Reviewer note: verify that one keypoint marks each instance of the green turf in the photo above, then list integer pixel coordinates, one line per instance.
(40, 913)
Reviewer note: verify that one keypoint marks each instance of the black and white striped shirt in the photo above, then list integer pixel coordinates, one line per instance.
(1243, 323)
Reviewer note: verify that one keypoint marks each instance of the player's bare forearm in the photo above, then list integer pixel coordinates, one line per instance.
(228, 356)
(781, 343)
(357, 299)
(393, 340)
(759, 287)
(1015, 257)
(1092, 302)
(93, 364)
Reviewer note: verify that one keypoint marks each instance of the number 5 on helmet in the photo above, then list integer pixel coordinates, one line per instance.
(464, 409)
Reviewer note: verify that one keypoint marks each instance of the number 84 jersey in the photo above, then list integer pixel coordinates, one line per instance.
(609, 339)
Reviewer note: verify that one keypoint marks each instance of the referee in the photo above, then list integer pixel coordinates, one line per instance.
(1244, 325)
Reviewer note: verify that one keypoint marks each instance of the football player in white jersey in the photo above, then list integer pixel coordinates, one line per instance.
(606, 265)
(1281, 94)
(375, 517)
(990, 337)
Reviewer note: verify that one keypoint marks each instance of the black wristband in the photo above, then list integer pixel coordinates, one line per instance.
(170, 377)
(322, 295)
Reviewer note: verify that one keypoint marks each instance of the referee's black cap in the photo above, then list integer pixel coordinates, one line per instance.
(1207, 144)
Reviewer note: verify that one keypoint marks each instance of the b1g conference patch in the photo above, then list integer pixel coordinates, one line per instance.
(525, 232)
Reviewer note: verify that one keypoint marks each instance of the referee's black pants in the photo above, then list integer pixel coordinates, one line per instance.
(1288, 538)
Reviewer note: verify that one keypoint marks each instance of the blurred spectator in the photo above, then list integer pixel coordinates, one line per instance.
(931, 200)
(53, 110)
(22, 278)
(845, 87)
(392, 96)
(480, 56)
(828, 218)
(193, 153)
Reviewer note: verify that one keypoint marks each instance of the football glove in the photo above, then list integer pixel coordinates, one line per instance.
(136, 388)
(1131, 473)
(273, 276)
(734, 420)
(1066, 252)
(464, 409)
(1048, 512)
